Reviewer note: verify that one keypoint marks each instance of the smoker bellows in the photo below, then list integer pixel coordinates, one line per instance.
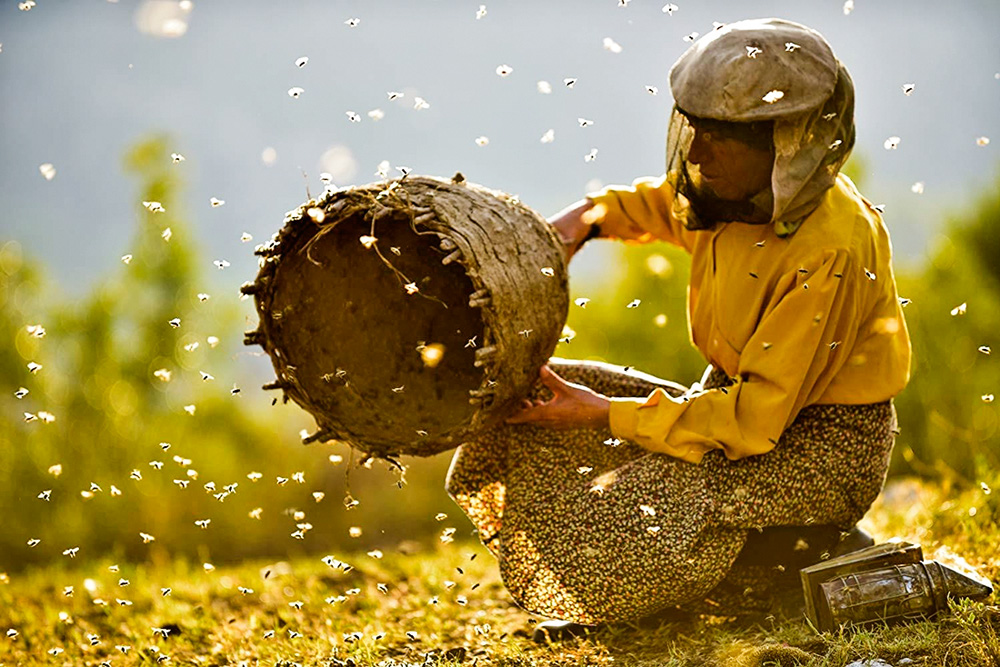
(407, 315)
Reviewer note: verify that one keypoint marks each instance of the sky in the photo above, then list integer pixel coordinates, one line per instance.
(81, 81)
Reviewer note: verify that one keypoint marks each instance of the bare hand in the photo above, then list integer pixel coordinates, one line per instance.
(572, 226)
(573, 406)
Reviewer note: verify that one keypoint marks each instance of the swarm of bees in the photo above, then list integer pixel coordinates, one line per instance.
(484, 354)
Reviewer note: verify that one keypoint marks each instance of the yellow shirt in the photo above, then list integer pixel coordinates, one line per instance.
(813, 318)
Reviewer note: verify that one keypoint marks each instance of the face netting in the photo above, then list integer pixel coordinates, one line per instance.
(809, 148)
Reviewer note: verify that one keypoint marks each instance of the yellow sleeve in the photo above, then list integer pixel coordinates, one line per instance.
(640, 213)
(803, 338)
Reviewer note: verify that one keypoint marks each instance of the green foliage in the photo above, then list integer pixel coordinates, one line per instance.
(981, 236)
(948, 426)
(651, 336)
(118, 381)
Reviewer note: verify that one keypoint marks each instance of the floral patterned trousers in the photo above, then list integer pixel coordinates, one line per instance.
(590, 529)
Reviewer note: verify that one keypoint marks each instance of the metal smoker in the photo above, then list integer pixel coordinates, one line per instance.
(888, 583)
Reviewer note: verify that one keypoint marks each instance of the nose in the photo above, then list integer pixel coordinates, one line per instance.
(700, 150)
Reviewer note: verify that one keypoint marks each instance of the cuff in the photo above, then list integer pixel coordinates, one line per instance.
(642, 422)
(624, 417)
(616, 210)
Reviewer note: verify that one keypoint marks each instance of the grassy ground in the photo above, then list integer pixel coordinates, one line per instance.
(448, 606)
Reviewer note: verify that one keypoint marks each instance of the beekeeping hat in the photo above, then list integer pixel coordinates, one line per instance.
(767, 70)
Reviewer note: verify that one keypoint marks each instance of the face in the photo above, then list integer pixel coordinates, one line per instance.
(732, 168)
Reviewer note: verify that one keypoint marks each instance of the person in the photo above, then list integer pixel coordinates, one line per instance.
(610, 495)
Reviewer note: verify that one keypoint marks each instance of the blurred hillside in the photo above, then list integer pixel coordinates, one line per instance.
(132, 425)
(134, 411)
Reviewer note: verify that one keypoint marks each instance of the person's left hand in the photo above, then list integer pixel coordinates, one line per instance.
(573, 406)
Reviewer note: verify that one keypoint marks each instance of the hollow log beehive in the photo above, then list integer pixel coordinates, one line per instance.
(407, 315)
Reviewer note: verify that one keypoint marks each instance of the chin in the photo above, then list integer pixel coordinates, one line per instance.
(720, 189)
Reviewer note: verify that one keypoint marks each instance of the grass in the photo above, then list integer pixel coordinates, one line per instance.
(451, 599)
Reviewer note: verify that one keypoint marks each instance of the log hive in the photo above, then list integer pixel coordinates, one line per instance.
(407, 315)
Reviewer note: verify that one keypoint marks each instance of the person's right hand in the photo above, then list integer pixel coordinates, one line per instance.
(572, 226)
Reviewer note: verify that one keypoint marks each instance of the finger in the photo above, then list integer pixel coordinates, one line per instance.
(552, 381)
(522, 417)
(535, 413)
